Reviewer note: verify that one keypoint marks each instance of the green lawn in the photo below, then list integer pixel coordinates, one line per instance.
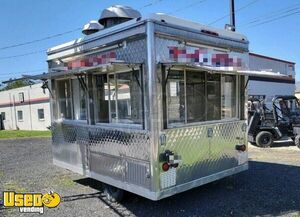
(12, 134)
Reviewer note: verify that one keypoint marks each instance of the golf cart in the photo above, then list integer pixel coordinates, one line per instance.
(267, 126)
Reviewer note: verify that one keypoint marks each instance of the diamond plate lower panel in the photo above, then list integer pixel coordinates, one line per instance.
(121, 154)
(203, 155)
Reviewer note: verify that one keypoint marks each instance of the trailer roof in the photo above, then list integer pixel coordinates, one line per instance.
(160, 18)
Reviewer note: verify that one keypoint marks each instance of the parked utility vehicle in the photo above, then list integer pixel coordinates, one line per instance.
(282, 122)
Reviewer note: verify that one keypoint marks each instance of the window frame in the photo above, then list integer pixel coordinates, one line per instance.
(41, 119)
(120, 124)
(21, 97)
(73, 110)
(69, 80)
(3, 119)
(20, 112)
(165, 106)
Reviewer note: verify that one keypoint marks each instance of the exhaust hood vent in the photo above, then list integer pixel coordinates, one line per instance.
(91, 27)
(117, 14)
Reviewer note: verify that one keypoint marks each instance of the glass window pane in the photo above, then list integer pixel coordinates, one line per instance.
(3, 116)
(41, 114)
(79, 100)
(129, 101)
(195, 96)
(175, 97)
(20, 115)
(64, 99)
(113, 98)
(21, 97)
(213, 97)
(228, 96)
(102, 97)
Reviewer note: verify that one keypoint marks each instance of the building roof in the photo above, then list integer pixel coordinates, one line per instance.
(271, 58)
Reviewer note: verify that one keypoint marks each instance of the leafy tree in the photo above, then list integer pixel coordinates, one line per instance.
(16, 84)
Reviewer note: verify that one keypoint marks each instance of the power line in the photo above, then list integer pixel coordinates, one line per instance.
(150, 4)
(22, 55)
(41, 39)
(188, 6)
(274, 19)
(227, 15)
(273, 14)
(63, 33)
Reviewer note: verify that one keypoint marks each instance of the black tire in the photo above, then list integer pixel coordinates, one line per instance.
(297, 141)
(264, 139)
(113, 194)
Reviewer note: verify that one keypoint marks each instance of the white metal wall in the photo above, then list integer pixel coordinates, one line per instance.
(265, 64)
(270, 89)
(34, 99)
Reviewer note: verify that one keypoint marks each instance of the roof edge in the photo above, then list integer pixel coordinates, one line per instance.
(271, 58)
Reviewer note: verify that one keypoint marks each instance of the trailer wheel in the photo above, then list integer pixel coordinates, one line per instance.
(264, 139)
(297, 141)
(113, 194)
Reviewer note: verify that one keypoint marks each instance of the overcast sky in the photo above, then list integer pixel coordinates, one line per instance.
(272, 26)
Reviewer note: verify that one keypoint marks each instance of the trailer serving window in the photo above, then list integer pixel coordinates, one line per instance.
(119, 98)
(64, 99)
(79, 100)
(197, 96)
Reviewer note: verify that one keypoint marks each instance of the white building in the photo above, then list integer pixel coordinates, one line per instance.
(25, 108)
(266, 88)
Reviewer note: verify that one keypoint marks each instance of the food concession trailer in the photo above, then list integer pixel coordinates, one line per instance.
(154, 105)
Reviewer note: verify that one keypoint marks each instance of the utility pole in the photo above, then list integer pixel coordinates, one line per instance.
(232, 14)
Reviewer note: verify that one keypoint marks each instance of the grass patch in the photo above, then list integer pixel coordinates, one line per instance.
(1, 174)
(65, 181)
(13, 186)
(13, 134)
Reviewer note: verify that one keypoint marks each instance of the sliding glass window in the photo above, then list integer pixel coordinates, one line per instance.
(176, 98)
(119, 98)
(213, 97)
(79, 99)
(101, 98)
(197, 96)
(229, 96)
(64, 99)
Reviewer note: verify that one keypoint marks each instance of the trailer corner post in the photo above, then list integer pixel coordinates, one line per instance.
(90, 103)
(153, 125)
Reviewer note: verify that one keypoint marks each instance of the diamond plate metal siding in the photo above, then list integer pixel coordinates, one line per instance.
(168, 179)
(122, 154)
(109, 38)
(116, 142)
(69, 145)
(203, 155)
(133, 52)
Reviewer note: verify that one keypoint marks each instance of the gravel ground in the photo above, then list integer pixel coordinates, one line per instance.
(271, 187)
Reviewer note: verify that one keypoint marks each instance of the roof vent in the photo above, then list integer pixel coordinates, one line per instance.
(91, 27)
(230, 27)
(117, 14)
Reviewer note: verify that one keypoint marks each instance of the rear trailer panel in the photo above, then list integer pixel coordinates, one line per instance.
(155, 157)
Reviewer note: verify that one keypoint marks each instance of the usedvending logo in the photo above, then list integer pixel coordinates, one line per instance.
(31, 202)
